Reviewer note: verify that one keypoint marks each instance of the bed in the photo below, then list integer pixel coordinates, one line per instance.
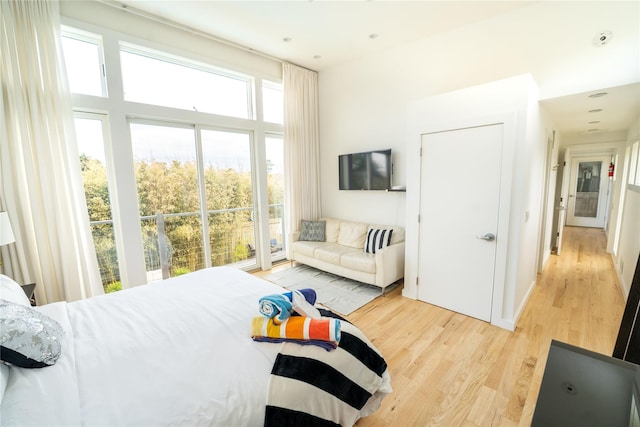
(179, 352)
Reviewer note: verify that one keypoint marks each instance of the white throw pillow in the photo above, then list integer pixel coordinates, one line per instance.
(11, 291)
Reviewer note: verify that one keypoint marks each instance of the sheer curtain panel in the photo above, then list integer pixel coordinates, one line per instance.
(301, 145)
(41, 185)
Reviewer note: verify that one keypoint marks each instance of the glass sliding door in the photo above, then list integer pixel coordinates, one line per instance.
(274, 148)
(228, 181)
(168, 196)
(90, 136)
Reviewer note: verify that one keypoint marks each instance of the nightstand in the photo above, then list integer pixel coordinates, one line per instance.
(29, 289)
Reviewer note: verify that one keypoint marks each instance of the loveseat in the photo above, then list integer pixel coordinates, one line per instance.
(368, 253)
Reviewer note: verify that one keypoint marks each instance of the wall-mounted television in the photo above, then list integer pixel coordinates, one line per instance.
(370, 170)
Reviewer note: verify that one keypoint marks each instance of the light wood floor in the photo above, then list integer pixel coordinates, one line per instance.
(451, 370)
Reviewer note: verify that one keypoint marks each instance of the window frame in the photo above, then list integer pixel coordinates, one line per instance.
(90, 37)
(119, 112)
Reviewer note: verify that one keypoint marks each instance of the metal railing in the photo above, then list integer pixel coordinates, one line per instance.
(173, 242)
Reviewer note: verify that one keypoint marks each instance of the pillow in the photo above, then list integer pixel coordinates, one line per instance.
(352, 234)
(377, 238)
(332, 229)
(312, 231)
(4, 379)
(11, 291)
(28, 338)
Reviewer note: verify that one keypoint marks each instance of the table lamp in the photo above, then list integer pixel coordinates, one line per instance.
(6, 233)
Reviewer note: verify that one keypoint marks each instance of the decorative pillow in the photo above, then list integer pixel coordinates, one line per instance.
(377, 238)
(11, 291)
(312, 231)
(28, 338)
(4, 379)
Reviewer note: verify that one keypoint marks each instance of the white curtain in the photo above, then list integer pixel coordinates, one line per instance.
(301, 145)
(41, 187)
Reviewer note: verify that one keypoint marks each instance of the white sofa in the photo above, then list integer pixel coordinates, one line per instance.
(342, 253)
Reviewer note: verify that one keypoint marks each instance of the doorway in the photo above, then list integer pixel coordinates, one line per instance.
(588, 192)
(468, 200)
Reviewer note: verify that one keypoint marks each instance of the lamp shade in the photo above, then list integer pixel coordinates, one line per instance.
(6, 233)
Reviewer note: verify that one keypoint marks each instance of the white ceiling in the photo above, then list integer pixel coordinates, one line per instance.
(322, 34)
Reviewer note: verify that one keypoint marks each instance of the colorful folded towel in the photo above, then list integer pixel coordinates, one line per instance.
(297, 328)
(280, 306)
(276, 307)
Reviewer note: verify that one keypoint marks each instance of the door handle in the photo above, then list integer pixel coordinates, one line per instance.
(489, 237)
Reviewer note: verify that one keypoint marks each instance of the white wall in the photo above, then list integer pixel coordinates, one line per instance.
(363, 102)
(512, 101)
(629, 247)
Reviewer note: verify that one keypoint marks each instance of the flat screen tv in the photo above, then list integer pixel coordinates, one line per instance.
(370, 170)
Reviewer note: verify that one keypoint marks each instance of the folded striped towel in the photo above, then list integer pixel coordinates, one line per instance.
(297, 328)
(280, 306)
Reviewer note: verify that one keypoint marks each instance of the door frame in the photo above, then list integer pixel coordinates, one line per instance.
(603, 204)
(508, 120)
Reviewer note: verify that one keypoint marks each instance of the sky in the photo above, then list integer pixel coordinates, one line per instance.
(161, 142)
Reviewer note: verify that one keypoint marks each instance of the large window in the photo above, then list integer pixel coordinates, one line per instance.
(152, 78)
(184, 179)
(273, 102)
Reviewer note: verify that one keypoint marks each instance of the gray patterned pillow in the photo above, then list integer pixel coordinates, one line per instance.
(313, 231)
(28, 338)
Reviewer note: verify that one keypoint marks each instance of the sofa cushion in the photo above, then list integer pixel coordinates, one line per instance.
(331, 252)
(332, 229)
(352, 234)
(360, 261)
(306, 248)
(312, 231)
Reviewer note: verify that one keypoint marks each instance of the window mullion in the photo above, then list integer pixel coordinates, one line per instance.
(204, 213)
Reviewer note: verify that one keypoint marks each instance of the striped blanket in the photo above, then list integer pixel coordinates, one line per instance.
(313, 387)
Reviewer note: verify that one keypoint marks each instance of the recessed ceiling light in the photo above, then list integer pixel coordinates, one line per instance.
(286, 39)
(317, 57)
(598, 95)
(597, 110)
(602, 38)
(593, 122)
(373, 36)
(593, 130)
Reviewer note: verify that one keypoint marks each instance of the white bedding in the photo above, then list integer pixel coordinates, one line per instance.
(176, 352)
(172, 353)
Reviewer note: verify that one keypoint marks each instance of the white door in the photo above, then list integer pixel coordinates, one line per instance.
(561, 210)
(459, 201)
(588, 192)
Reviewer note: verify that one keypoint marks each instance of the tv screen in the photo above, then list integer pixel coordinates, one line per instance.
(365, 171)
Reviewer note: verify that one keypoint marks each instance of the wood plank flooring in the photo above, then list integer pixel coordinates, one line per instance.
(452, 370)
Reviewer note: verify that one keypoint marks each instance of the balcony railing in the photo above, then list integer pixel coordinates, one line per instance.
(173, 242)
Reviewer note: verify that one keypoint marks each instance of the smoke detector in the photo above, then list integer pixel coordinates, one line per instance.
(602, 38)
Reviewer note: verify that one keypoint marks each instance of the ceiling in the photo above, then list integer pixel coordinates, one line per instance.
(323, 34)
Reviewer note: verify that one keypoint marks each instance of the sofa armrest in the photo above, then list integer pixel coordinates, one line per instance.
(389, 264)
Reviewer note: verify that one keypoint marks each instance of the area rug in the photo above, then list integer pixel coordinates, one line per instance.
(336, 293)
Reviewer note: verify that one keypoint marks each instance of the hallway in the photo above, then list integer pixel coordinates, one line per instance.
(452, 370)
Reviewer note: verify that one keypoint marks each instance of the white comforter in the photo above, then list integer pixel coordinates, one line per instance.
(172, 353)
(176, 352)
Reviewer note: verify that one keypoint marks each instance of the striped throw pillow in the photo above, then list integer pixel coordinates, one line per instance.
(377, 239)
